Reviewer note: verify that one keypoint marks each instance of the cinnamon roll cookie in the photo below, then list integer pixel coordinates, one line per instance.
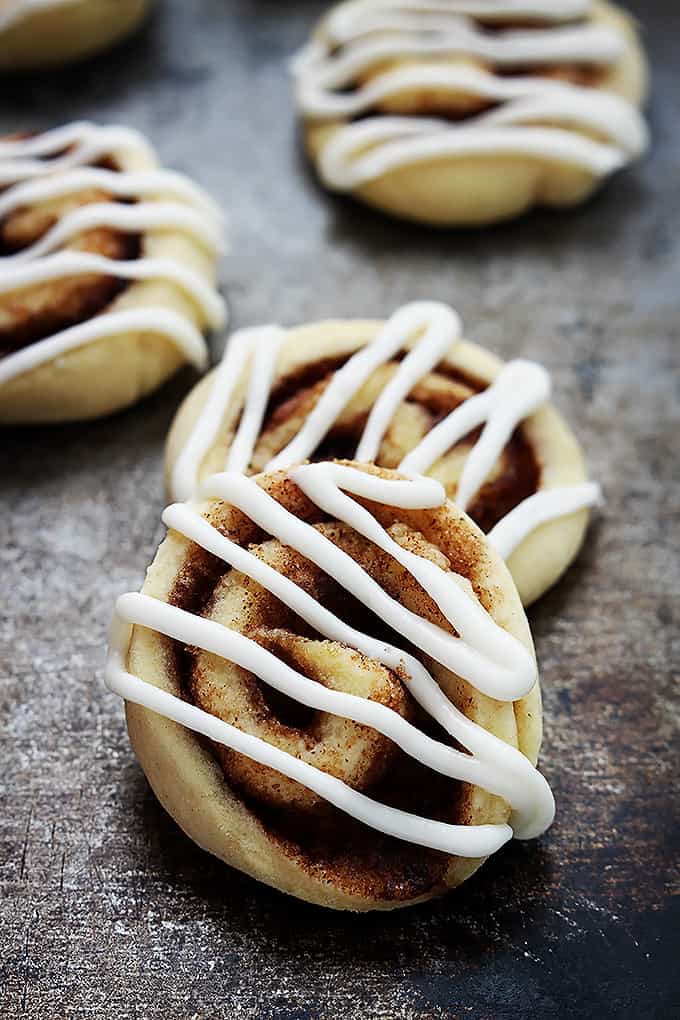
(407, 394)
(45, 33)
(107, 269)
(330, 684)
(464, 112)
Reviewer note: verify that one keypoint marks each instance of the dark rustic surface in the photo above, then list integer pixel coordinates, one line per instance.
(106, 909)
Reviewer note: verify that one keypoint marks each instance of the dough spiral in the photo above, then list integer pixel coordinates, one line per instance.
(359, 659)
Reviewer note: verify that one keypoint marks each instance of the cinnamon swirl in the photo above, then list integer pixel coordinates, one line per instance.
(464, 112)
(107, 267)
(408, 393)
(46, 33)
(330, 684)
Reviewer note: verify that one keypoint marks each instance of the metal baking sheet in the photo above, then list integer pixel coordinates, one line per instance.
(107, 909)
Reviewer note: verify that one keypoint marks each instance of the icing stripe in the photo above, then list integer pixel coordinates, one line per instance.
(265, 340)
(265, 344)
(346, 19)
(583, 44)
(399, 141)
(73, 263)
(443, 328)
(161, 321)
(132, 184)
(467, 841)
(539, 509)
(520, 389)
(26, 158)
(492, 764)
(138, 218)
(465, 655)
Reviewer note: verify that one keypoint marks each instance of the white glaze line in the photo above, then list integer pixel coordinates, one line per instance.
(49, 166)
(466, 841)
(393, 142)
(23, 159)
(542, 507)
(176, 328)
(139, 218)
(123, 184)
(73, 263)
(265, 345)
(494, 765)
(442, 330)
(266, 341)
(588, 43)
(346, 20)
(519, 390)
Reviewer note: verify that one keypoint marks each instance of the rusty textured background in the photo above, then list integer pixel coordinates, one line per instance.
(106, 909)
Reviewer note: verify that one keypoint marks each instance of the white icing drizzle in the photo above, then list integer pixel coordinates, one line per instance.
(265, 341)
(533, 116)
(484, 654)
(538, 509)
(443, 328)
(71, 263)
(138, 218)
(344, 20)
(519, 389)
(157, 320)
(124, 184)
(43, 154)
(37, 169)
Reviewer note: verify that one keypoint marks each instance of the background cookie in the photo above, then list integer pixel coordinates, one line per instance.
(45, 33)
(466, 113)
(107, 268)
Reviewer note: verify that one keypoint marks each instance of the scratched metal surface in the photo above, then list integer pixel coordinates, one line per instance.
(106, 909)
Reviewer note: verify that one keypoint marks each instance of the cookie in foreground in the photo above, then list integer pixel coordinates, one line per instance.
(107, 273)
(465, 112)
(46, 33)
(408, 393)
(331, 685)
